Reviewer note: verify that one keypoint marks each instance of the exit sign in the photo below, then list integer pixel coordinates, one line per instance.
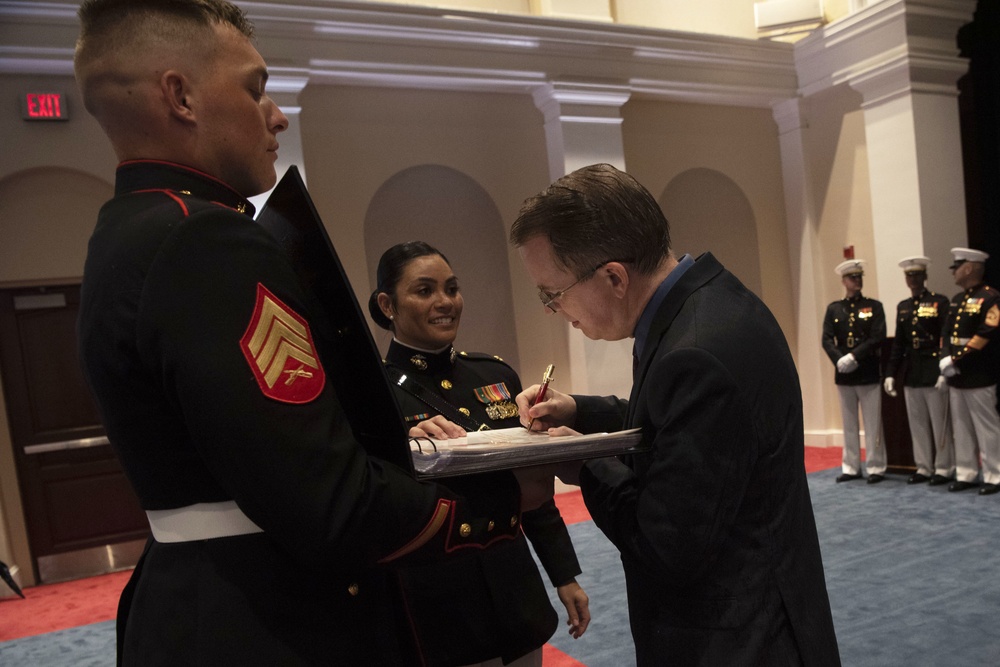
(44, 106)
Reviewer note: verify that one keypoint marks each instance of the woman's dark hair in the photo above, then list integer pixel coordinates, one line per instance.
(390, 269)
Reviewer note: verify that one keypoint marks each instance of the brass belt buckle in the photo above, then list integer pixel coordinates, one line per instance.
(916, 343)
(850, 340)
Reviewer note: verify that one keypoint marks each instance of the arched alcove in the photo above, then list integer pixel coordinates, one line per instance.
(47, 215)
(453, 213)
(709, 212)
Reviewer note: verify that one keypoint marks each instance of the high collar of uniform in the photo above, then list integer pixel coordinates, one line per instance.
(139, 175)
(432, 363)
(857, 297)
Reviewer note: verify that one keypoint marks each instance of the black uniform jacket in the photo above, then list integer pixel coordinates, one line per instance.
(969, 336)
(194, 336)
(492, 602)
(714, 524)
(855, 326)
(919, 323)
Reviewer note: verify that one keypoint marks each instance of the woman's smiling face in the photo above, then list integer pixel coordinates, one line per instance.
(428, 304)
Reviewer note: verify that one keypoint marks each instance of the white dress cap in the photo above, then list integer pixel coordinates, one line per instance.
(915, 263)
(850, 267)
(969, 255)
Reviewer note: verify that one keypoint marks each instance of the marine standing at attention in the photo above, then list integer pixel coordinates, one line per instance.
(915, 351)
(970, 360)
(853, 331)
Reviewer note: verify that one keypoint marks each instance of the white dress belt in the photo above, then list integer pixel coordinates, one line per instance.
(201, 521)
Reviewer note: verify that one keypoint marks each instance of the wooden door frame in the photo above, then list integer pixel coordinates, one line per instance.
(14, 545)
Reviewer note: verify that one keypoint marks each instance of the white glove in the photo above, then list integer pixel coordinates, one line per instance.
(847, 363)
(947, 367)
(890, 387)
(941, 384)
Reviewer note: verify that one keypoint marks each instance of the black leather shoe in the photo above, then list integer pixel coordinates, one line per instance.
(938, 480)
(875, 478)
(845, 477)
(989, 489)
(917, 478)
(961, 486)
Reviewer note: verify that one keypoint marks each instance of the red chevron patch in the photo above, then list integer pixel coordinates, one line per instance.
(278, 346)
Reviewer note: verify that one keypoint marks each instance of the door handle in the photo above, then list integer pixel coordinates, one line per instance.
(64, 445)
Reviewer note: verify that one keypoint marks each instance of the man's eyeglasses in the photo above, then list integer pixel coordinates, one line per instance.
(548, 298)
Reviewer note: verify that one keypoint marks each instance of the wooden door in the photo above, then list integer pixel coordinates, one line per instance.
(77, 502)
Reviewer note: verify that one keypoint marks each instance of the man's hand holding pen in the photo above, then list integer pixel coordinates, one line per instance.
(555, 409)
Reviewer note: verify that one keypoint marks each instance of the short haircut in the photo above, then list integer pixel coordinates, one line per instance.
(98, 16)
(113, 25)
(390, 270)
(596, 214)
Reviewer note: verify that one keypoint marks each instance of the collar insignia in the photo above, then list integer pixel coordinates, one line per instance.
(419, 362)
(279, 349)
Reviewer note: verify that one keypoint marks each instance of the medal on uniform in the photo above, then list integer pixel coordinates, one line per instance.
(973, 306)
(927, 310)
(497, 399)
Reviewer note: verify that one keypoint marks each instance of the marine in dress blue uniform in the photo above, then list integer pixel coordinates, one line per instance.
(969, 361)
(273, 529)
(915, 351)
(853, 331)
(488, 603)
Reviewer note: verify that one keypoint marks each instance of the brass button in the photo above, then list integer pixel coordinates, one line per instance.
(446, 384)
(465, 530)
(352, 590)
(490, 526)
(465, 411)
(513, 521)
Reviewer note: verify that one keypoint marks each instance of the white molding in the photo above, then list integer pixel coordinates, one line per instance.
(372, 44)
(887, 49)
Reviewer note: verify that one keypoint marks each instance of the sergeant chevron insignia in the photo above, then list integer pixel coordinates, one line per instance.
(279, 348)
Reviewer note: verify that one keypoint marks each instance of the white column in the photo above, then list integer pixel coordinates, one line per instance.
(915, 170)
(803, 245)
(583, 127)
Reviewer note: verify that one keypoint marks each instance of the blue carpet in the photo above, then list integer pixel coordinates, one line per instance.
(913, 574)
(83, 646)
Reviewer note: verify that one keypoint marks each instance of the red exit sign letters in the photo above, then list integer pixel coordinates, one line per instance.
(44, 106)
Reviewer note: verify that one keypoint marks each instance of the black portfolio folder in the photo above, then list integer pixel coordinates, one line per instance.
(290, 216)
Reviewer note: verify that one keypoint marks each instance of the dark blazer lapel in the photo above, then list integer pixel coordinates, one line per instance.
(705, 268)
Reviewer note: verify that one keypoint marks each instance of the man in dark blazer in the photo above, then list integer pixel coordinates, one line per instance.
(714, 523)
